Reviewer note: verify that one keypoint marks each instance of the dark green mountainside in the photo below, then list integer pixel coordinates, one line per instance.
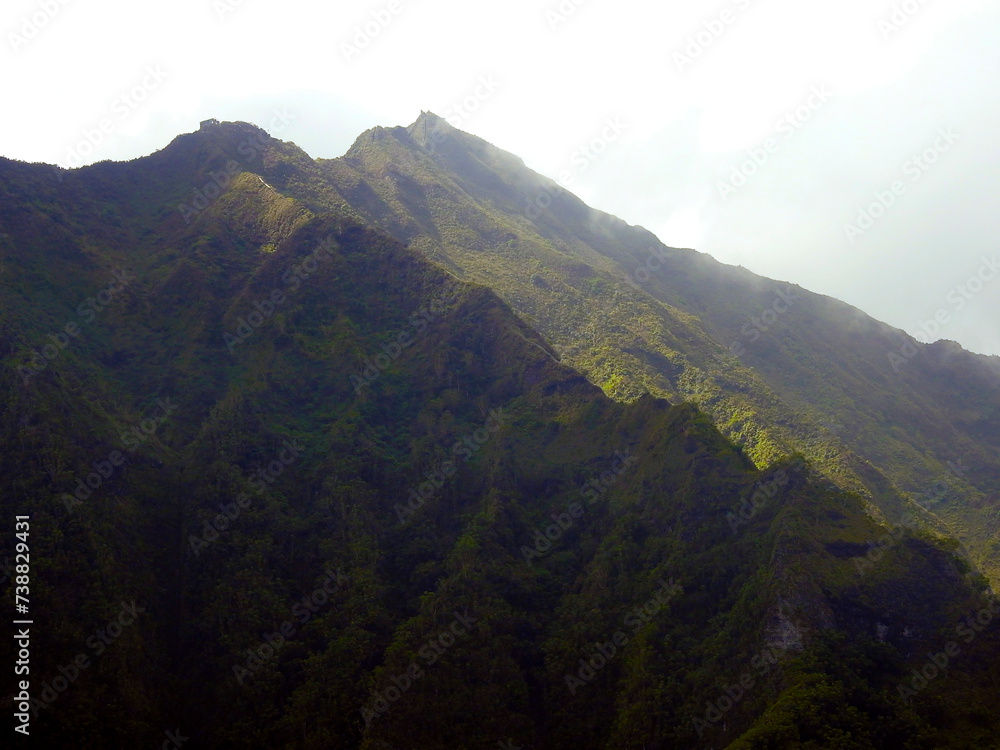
(290, 484)
(914, 428)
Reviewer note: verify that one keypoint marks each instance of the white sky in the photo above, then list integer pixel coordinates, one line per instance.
(688, 125)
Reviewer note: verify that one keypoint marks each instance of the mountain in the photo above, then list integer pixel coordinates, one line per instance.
(291, 483)
(913, 428)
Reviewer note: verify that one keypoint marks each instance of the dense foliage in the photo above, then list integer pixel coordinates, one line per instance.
(361, 504)
(912, 428)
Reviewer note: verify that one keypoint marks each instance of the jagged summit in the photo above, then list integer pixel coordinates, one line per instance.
(429, 130)
(427, 118)
(213, 126)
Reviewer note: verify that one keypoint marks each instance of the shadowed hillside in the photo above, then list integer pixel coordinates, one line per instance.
(292, 484)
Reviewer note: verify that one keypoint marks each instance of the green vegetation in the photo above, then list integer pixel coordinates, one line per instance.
(284, 599)
(813, 374)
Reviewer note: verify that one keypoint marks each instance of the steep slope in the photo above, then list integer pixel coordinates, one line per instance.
(913, 427)
(292, 485)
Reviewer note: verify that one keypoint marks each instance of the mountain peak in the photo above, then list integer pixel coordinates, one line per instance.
(429, 119)
(227, 137)
(429, 130)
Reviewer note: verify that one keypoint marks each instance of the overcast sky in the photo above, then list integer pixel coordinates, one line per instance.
(852, 148)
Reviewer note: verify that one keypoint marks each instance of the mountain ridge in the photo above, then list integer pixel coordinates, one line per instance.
(275, 468)
(676, 370)
(698, 284)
